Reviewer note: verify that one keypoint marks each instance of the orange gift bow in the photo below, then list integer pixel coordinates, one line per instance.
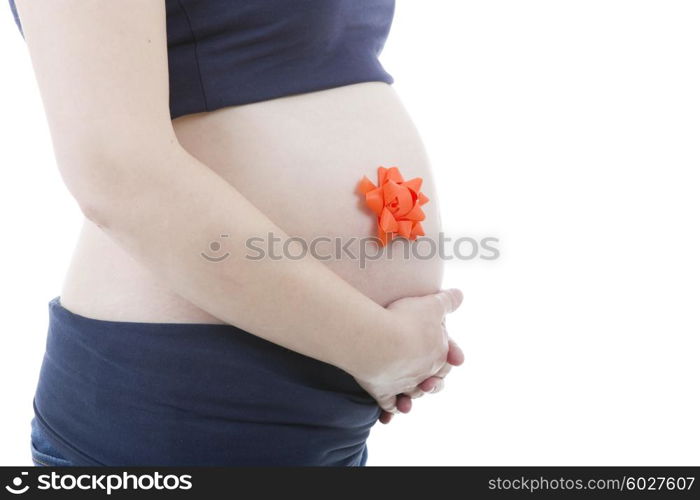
(396, 203)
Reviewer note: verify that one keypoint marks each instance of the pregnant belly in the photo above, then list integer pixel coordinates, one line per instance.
(298, 159)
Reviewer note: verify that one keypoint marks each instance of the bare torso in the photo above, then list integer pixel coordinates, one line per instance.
(298, 159)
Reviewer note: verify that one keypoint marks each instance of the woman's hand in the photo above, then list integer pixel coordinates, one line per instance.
(423, 355)
(431, 385)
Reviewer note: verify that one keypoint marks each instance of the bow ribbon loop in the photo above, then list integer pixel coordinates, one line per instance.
(396, 204)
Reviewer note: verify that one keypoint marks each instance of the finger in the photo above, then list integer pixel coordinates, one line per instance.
(429, 384)
(455, 355)
(439, 386)
(444, 371)
(388, 404)
(415, 393)
(433, 385)
(449, 299)
(385, 417)
(403, 403)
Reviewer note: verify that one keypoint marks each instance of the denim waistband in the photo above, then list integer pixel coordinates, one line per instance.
(127, 393)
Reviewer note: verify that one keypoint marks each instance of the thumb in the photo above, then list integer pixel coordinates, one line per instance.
(449, 299)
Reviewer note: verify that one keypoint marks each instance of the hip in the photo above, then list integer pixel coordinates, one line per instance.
(127, 393)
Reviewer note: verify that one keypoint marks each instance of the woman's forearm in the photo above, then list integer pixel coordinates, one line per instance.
(164, 207)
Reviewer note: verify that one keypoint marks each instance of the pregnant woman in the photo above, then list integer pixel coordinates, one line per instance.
(186, 129)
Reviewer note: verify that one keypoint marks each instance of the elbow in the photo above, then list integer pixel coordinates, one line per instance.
(94, 212)
(88, 181)
(107, 187)
(106, 170)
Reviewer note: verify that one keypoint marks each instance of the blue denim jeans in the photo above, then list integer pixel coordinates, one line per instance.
(44, 454)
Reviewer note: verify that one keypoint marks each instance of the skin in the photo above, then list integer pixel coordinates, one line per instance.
(156, 192)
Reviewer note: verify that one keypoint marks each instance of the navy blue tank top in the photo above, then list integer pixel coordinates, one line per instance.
(230, 52)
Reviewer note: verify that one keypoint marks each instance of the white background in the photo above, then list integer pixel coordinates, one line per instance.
(569, 130)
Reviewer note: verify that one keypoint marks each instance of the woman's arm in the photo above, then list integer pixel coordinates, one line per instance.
(103, 75)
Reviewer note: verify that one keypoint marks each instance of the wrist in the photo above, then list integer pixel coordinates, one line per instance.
(380, 341)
